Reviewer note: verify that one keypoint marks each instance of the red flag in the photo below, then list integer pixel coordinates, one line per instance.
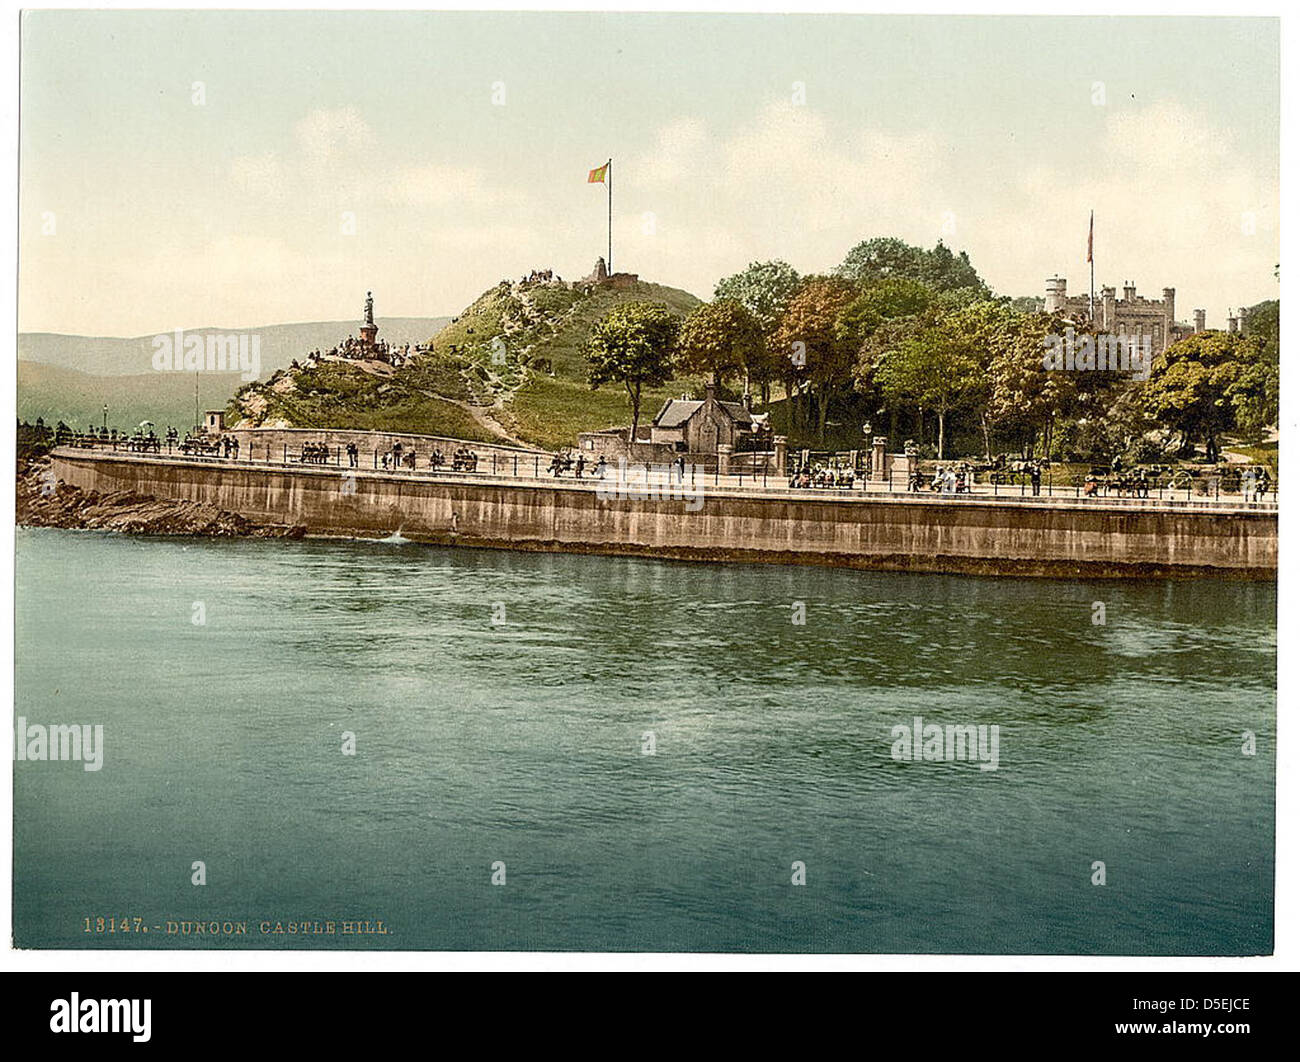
(1089, 235)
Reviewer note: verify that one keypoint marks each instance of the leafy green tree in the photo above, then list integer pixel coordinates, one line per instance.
(820, 353)
(945, 271)
(879, 258)
(882, 301)
(719, 339)
(1256, 393)
(1025, 397)
(885, 256)
(1192, 386)
(764, 289)
(633, 345)
(939, 367)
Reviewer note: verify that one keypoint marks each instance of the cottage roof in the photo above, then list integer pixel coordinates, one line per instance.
(676, 412)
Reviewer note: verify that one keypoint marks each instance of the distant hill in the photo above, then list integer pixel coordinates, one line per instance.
(509, 367)
(77, 398)
(280, 344)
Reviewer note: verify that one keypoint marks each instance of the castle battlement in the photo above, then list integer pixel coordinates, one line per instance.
(1130, 315)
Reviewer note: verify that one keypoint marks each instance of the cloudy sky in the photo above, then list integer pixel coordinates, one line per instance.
(238, 169)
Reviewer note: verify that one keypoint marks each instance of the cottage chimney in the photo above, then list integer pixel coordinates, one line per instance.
(710, 393)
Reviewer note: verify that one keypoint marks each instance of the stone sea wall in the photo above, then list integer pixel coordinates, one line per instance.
(905, 532)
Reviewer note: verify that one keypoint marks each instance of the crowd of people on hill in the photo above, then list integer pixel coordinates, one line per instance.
(539, 276)
(354, 349)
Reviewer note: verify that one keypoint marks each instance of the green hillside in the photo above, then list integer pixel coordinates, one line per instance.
(78, 399)
(509, 367)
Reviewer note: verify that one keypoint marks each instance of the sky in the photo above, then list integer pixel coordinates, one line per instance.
(235, 169)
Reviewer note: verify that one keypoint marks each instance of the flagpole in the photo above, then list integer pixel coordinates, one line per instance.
(609, 189)
(1092, 275)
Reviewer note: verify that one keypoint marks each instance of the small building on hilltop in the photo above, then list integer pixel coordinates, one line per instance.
(601, 275)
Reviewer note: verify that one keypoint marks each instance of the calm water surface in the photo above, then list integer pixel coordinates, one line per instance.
(523, 743)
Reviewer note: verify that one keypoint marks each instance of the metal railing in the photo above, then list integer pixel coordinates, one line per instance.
(1005, 487)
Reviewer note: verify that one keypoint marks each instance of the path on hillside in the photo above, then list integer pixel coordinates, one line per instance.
(483, 418)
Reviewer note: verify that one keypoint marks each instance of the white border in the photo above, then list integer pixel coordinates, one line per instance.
(1287, 946)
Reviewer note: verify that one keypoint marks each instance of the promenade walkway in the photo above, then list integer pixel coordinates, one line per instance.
(636, 481)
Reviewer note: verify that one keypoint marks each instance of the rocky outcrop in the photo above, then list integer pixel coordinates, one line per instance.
(42, 501)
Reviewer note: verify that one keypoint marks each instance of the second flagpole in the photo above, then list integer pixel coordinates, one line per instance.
(609, 191)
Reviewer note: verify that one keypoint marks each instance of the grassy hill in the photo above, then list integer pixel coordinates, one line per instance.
(78, 398)
(509, 367)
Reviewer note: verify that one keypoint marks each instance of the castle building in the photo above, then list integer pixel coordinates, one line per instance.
(1131, 315)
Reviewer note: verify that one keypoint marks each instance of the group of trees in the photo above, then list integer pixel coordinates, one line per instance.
(918, 337)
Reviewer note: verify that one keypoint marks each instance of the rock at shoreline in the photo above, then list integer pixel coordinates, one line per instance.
(43, 502)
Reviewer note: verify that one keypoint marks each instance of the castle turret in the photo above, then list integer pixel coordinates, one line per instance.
(1199, 315)
(1232, 323)
(1241, 321)
(1108, 308)
(1055, 302)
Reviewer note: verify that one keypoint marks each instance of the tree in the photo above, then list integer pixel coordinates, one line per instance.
(821, 354)
(945, 271)
(882, 301)
(720, 338)
(885, 256)
(1024, 395)
(881, 257)
(633, 345)
(1193, 382)
(938, 366)
(764, 289)
(1257, 391)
